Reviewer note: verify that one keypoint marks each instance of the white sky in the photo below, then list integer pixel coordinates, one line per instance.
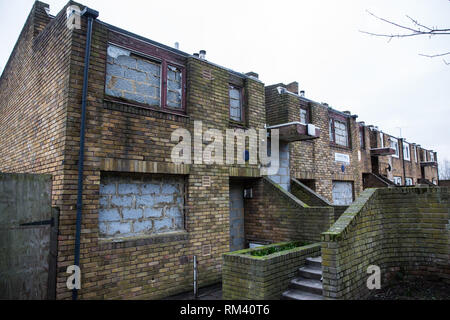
(315, 42)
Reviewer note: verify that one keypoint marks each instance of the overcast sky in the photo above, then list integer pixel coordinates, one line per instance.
(316, 43)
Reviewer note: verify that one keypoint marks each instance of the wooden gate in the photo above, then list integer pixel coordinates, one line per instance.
(28, 237)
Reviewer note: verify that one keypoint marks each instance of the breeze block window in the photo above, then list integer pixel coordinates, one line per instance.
(136, 77)
(140, 205)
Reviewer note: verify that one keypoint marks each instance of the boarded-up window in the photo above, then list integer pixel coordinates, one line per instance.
(341, 135)
(139, 205)
(174, 87)
(342, 193)
(235, 103)
(132, 78)
(303, 116)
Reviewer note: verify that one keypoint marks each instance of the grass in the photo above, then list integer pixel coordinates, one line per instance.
(271, 250)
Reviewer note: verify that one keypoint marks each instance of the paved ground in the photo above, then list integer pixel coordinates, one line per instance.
(418, 290)
(213, 292)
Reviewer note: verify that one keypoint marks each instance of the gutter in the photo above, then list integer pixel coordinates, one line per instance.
(91, 15)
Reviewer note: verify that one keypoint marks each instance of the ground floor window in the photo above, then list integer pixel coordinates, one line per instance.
(398, 181)
(409, 181)
(342, 193)
(138, 205)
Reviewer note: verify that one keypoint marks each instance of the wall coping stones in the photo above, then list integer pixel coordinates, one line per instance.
(128, 242)
(122, 165)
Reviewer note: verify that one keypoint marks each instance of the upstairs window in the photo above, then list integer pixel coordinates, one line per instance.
(362, 140)
(339, 131)
(303, 116)
(431, 156)
(415, 154)
(330, 128)
(236, 113)
(381, 139)
(406, 151)
(155, 83)
(394, 145)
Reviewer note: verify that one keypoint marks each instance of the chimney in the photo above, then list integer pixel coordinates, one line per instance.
(292, 87)
(302, 93)
(177, 45)
(348, 112)
(196, 55)
(202, 54)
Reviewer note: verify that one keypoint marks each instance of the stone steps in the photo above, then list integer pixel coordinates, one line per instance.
(308, 286)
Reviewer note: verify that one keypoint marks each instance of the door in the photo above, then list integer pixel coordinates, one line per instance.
(28, 237)
(342, 193)
(237, 235)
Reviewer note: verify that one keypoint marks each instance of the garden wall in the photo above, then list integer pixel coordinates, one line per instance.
(402, 230)
(247, 277)
(275, 215)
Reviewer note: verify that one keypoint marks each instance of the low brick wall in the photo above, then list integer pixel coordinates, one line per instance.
(247, 277)
(275, 215)
(308, 195)
(402, 230)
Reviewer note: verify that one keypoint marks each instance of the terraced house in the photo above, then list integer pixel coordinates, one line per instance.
(95, 106)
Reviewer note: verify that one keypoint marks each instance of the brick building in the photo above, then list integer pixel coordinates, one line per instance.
(144, 217)
(344, 156)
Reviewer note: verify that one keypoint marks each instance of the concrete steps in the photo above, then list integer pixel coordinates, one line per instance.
(308, 286)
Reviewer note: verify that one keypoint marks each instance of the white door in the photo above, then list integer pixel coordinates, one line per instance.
(342, 193)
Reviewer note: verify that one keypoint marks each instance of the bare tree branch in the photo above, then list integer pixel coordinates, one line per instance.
(418, 29)
(413, 31)
(434, 55)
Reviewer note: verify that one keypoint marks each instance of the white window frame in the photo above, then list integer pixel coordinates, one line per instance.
(431, 156)
(394, 145)
(398, 181)
(406, 151)
(409, 181)
(382, 139)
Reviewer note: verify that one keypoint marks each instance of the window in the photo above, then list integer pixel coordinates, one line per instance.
(381, 139)
(303, 116)
(174, 87)
(339, 131)
(398, 181)
(342, 193)
(362, 139)
(415, 153)
(236, 103)
(331, 130)
(409, 181)
(133, 205)
(406, 151)
(431, 156)
(155, 83)
(394, 145)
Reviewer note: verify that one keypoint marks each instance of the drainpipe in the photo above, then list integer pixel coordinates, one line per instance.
(403, 161)
(91, 15)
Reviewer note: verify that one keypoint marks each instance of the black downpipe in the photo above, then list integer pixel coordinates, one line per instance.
(91, 16)
(403, 160)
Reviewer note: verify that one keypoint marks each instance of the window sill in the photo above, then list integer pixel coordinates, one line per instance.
(143, 110)
(337, 146)
(117, 243)
(237, 124)
(144, 106)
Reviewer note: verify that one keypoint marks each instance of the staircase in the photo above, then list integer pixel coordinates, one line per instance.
(308, 286)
